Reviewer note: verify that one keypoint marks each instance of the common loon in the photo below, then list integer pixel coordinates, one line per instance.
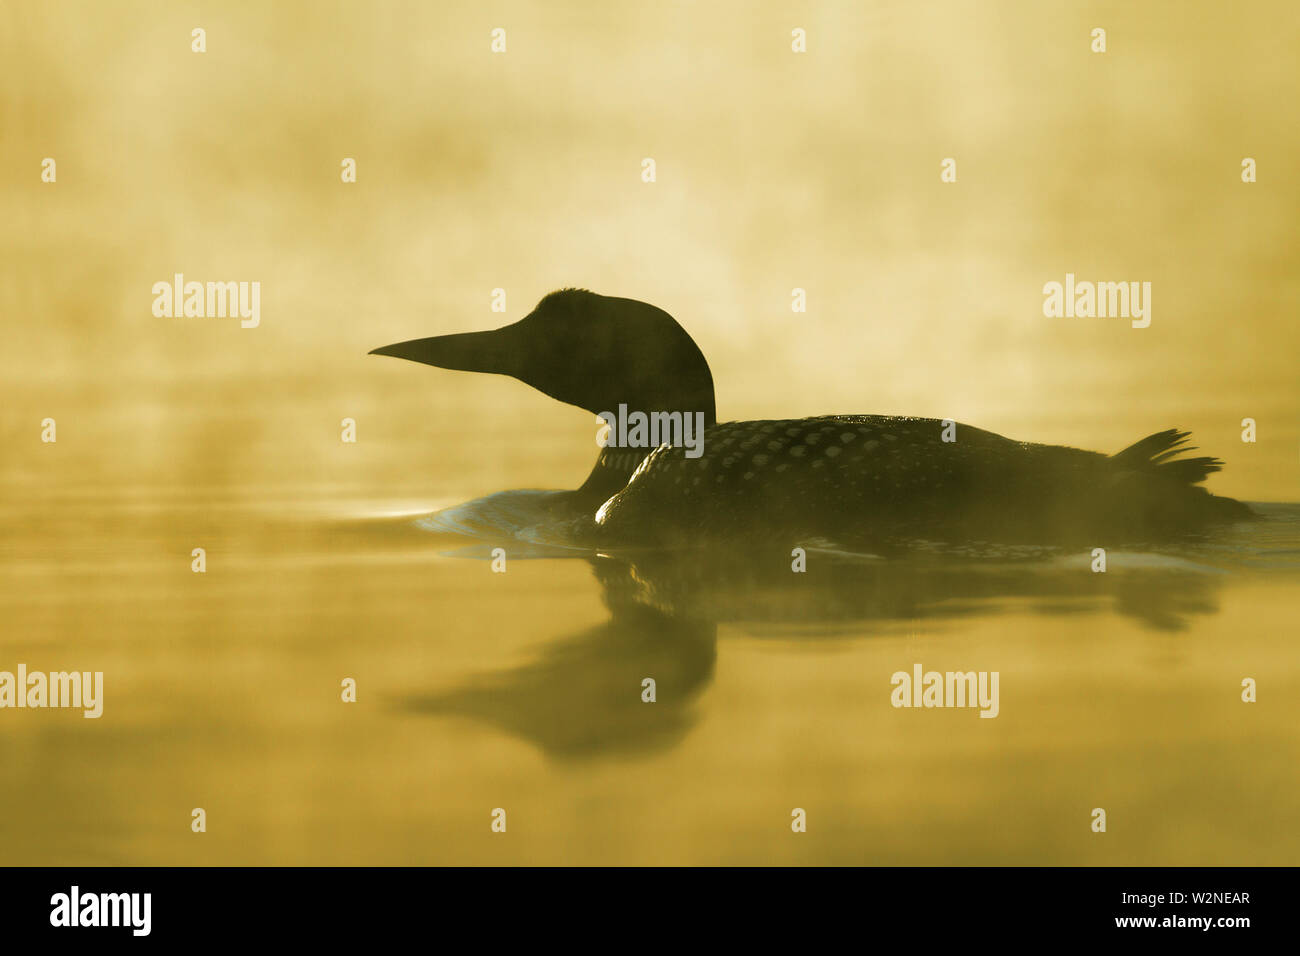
(843, 478)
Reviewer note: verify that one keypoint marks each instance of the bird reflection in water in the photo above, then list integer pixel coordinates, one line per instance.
(583, 697)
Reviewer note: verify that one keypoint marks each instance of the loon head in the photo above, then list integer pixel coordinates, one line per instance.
(593, 351)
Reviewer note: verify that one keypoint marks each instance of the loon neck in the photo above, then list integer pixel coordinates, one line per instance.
(610, 474)
(616, 464)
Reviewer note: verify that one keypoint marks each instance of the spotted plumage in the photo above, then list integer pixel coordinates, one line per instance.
(873, 478)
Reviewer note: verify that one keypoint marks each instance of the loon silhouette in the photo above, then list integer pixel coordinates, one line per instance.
(844, 478)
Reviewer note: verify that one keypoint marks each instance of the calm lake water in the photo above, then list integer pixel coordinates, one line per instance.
(522, 690)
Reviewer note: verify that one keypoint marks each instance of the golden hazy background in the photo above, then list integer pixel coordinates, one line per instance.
(522, 171)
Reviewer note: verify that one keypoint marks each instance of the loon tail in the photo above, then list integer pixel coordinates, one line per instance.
(1156, 459)
(1158, 455)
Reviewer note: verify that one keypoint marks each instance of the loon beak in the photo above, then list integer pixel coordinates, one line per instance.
(493, 351)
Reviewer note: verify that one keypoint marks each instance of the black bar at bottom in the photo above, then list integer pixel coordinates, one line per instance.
(329, 905)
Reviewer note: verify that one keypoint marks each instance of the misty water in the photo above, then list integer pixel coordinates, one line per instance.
(522, 690)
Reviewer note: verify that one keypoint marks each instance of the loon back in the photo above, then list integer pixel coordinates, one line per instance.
(845, 478)
(878, 479)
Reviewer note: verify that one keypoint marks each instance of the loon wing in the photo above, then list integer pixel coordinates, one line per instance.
(879, 478)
